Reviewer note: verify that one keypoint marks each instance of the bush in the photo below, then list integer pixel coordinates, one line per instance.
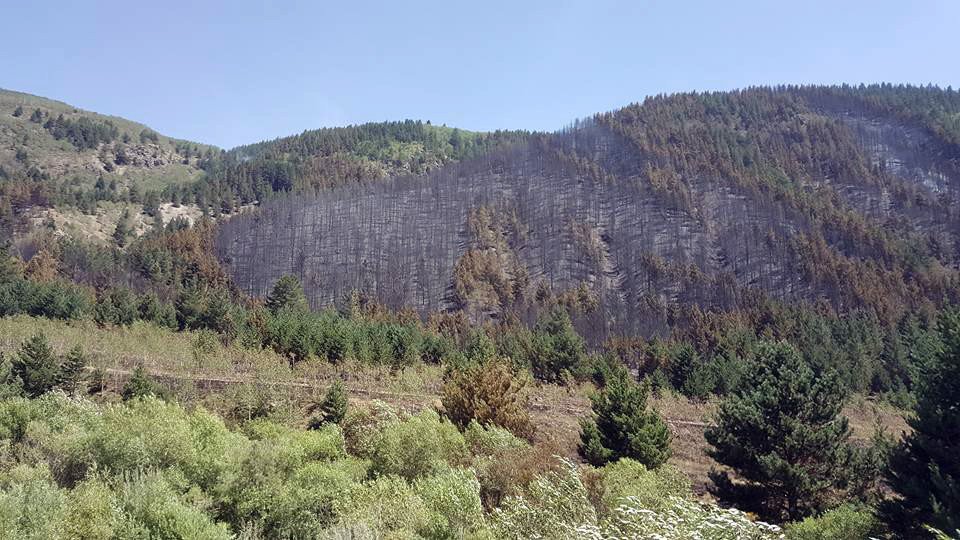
(421, 445)
(847, 522)
(142, 385)
(651, 488)
(490, 394)
(31, 505)
(152, 508)
(453, 499)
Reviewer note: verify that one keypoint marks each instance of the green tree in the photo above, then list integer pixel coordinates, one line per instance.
(71, 374)
(559, 351)
(287, 293)
(783, 434)
(333, 407)
(142, 385)
(36, 366)
(925, 468)
(623, 427)
(122, 231)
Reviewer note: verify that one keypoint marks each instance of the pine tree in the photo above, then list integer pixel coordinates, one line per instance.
(783, 434)
(142, 385)
(287, 293)
(122, 231)
(333, 407)
(72, 370)
(559, 351)
(623, 427)
(36, 366)
(925, 468)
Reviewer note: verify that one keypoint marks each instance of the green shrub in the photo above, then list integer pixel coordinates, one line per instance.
(418, 446)
(152, 508)
(385, 507)
(31, 505)
(847, 522)
(650, 488)
(332, 408)
(453, 499)
(491, 440)
(93, 512)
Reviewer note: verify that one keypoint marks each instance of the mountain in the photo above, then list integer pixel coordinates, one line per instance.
(845, 197)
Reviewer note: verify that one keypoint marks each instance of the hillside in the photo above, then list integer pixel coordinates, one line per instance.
(721, 201)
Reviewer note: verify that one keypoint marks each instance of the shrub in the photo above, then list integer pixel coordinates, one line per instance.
(385, 507)
(31, 505)
(491, 440)
(847, 522)
(421, 445)
(151, 508)
(453, 499)
(629, 478)
(555, 505)
(142, 385)
(490, 394)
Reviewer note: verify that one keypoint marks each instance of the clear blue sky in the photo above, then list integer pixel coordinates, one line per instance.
(229, 73)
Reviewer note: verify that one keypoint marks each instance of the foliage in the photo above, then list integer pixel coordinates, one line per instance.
(287, 293)
(783, 435)
(488, 393)
(559, 353)
(623, 427)
(141, 385)
(36, 366)
(418, 446)
(847, 522)
(333, 408)
(925, 468)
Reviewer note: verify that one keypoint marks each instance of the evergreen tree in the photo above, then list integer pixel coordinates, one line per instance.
(623, 427)
(36, 366)
(559, 351)
(287, 293)
(782, 433)
(925, 468)
(122, 231)
(72, 370)
(333, 407)
(142, 385)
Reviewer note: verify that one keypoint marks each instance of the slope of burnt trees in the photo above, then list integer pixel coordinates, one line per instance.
(688, 200)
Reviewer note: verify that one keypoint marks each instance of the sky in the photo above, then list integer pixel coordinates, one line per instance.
(236, 72)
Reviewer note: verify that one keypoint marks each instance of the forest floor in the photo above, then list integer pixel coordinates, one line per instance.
(214, 374)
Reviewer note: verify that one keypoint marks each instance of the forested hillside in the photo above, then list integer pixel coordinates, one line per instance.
(689, 317)
(835, 194)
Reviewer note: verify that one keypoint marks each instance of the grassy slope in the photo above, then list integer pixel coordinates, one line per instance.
(223, 372)
(63, 161)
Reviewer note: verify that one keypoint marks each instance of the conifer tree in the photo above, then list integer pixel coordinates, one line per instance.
(71, 370)
(488, 393)
(333, 407)
(122, 231)
(623, 427)
(36, 366)
(287, 293)
(783, 434)
(925, 468)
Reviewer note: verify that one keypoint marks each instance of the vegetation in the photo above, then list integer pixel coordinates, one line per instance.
(782, 434)
(623, 427)
(925, 469)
